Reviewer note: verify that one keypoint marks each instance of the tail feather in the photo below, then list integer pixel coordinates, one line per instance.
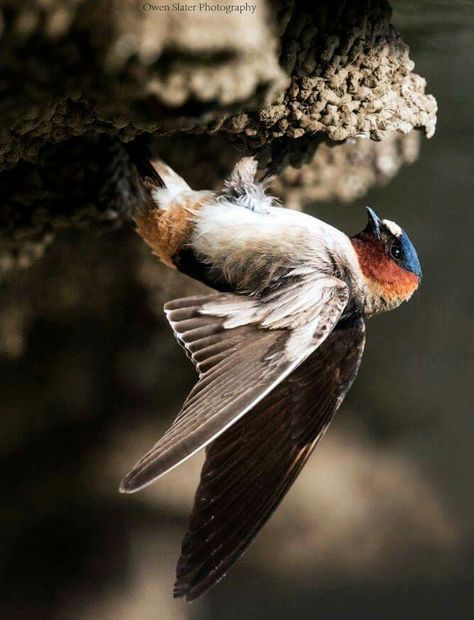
(157, 178)
(172, 186)
(140, 153)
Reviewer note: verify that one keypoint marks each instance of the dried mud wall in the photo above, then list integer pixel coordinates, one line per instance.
(79, 77)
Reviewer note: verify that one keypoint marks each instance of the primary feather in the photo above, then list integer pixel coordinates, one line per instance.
(242, 350)
(249, 469)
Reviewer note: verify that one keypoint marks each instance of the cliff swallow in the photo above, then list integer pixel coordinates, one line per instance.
(276, 348)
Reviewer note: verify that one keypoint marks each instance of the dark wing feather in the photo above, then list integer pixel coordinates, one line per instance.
(249, 468)
(237, 367)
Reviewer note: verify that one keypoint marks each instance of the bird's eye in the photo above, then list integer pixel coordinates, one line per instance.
(396, 251)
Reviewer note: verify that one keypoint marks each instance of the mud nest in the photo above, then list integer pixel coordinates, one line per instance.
(346, 171)
(285, 82)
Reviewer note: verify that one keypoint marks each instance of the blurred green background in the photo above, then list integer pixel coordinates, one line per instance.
(380, 523)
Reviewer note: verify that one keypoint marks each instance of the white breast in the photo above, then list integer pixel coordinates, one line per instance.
(223, 229)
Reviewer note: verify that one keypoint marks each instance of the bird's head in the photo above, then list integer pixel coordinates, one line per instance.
(388, 261)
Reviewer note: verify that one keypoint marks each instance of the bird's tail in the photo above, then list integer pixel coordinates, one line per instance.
(172, 184)
(158, 180)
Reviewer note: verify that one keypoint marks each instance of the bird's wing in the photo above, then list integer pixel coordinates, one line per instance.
(249, 469)
(243, 348)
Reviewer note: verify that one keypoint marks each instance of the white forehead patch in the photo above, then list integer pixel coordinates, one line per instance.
(393, 228)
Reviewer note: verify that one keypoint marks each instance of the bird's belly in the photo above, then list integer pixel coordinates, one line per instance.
(242, 233)
(242, 250)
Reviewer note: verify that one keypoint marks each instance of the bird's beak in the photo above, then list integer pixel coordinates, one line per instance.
(373, 225)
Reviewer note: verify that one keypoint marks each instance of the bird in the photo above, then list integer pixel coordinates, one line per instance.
(276, 344)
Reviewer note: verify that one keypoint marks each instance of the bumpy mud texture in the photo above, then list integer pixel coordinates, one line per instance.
(79, 183)
(109, 66)
(79, 76)
(346, 171)
(351, 76)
